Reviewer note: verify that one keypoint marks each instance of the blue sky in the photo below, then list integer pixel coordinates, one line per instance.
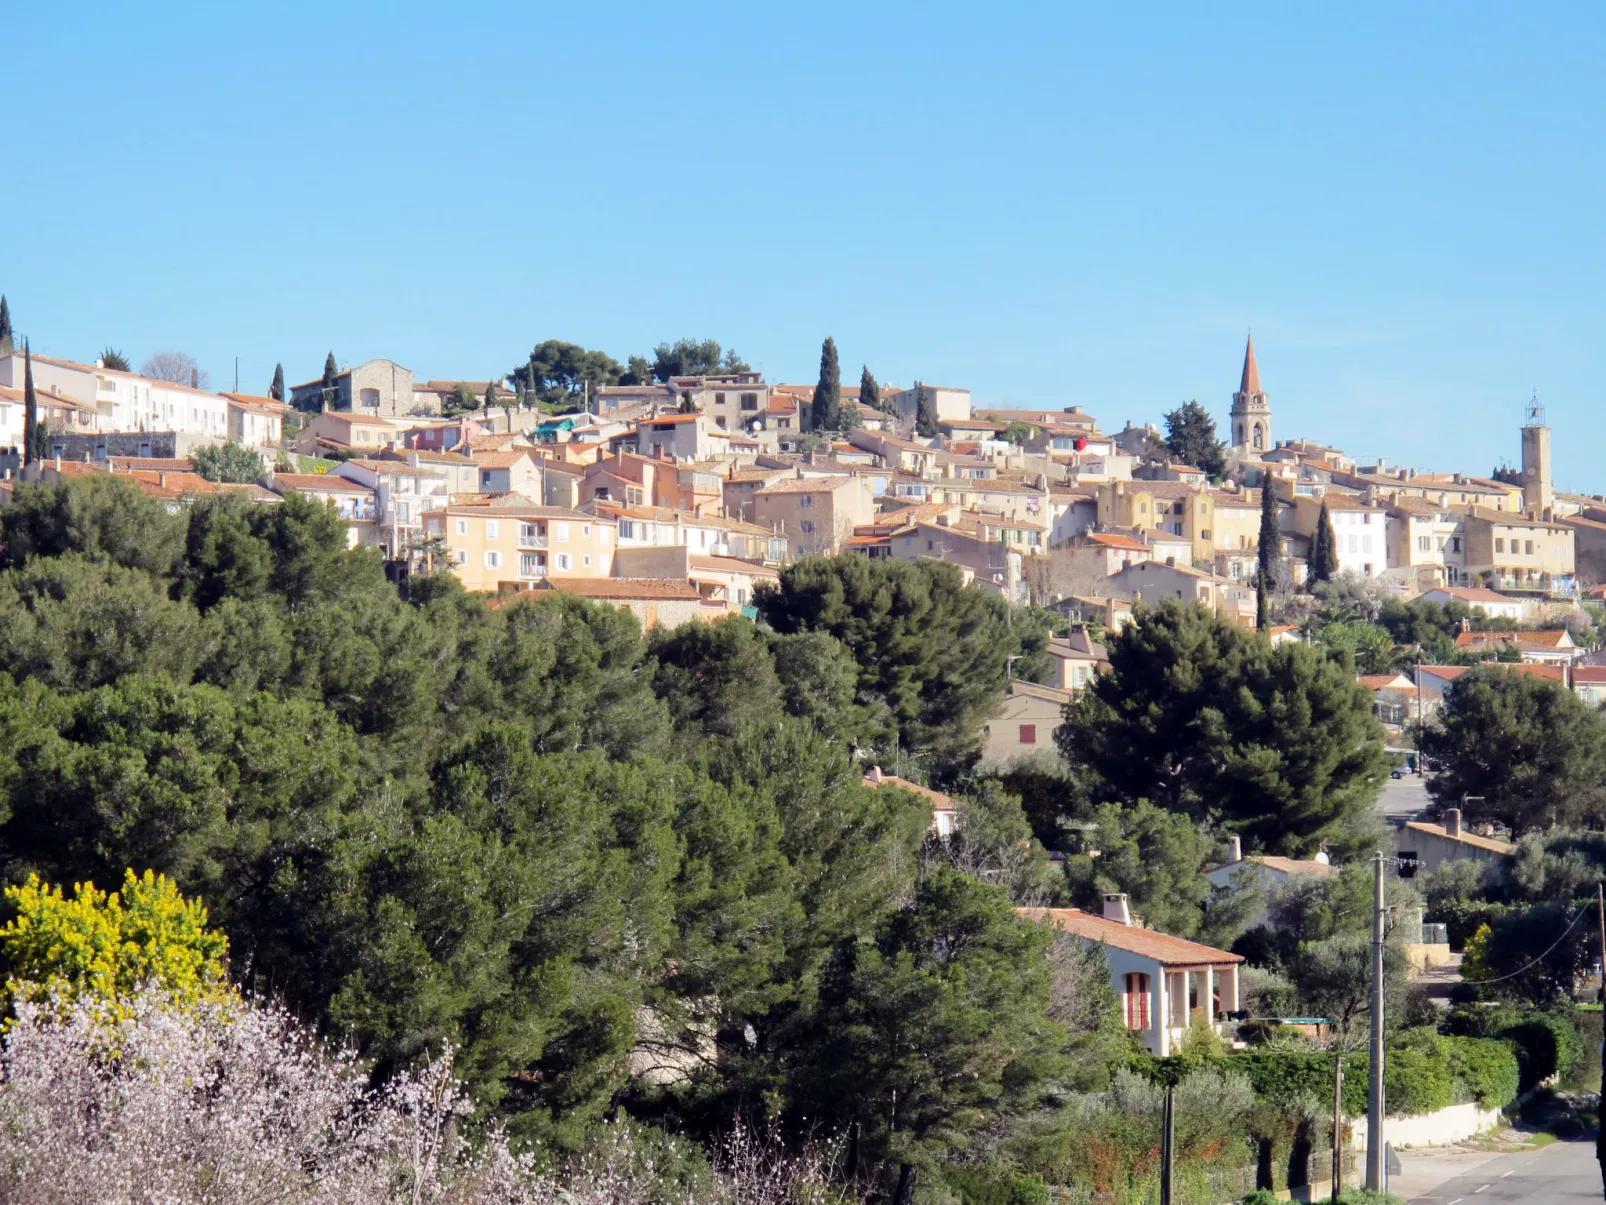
(1047, 203)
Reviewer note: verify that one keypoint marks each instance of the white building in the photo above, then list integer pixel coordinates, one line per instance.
(256, 422)
(1161, 982)
(128, 402)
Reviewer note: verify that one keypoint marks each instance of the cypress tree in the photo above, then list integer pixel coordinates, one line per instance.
(6, 346)
(276, 390)
(490, 397)
(1271, 535)
(1262, 610)
(1324, 548)
(869, 391)
(925, 413)
(826, 412)
(30, 408)
(330, 372)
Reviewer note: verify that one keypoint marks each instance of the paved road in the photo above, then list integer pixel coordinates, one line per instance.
(1559, 1174)
(1403, 797)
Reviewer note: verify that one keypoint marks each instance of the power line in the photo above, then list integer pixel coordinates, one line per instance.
(1582, 912)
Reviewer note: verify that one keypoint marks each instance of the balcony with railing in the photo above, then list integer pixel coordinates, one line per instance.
(1553, 585)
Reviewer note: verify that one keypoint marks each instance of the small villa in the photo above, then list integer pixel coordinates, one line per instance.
(1161, 981)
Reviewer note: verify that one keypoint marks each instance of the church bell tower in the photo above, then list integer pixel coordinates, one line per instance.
(1251, 412)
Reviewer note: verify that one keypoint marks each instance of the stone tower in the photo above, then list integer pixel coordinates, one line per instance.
(1538, 490)
(1251, 412)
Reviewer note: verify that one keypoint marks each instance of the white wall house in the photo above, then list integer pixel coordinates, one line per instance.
(1160, 981)
(126, 401)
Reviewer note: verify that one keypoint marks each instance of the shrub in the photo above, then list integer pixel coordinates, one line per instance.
(1487, 1070)
(1546, 1044)
(1465, 917)
(1415, 1079)
(1262, 1196)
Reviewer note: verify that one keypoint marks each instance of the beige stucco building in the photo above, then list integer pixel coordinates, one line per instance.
(1511, 552)
(487, 545)
(815, 514)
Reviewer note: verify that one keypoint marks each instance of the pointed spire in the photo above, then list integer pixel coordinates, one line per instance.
(1251, 381)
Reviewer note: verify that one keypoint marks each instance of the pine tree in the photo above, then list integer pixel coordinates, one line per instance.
(925, 413)
(30, 408)
(825, 414)
(869, 391)
(276, 390)
(1271, 536)
(1323, 548)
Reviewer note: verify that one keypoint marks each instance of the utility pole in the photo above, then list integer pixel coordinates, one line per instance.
(1374, 1098)
(1168, 1144)
(1338, 1126)
(1420, 772)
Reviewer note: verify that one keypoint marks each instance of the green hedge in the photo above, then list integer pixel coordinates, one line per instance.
(1488, 1069)
(1424, 1072)
(1545, 1042)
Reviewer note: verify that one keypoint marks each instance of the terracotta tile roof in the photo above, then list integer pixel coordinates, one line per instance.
(1162, 947)
(1310, 867)
(324, 482)
(1375, 682)
(351, 420)
(875, 778)
(1035, 690)
(1472, 594)
(1449, 673)
(516, 506)
(806, 485)
(70, 468)
(255, 401)
(1506, 518)
(1466, 838)
(668, 420)
(155, 464)
(1111, 539)
(501, 460)
(655, 588)
(252, 491)
(1589, 673)
(729, 564)
(1548, 641)
(186, 482)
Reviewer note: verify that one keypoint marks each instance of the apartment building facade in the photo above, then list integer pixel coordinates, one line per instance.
(489, 545)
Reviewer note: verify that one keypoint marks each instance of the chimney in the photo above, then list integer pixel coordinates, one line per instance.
(1321, 856)
(58, 462)
(874, 775)
(1116, 908)
(1452, 822)
(1235, 850)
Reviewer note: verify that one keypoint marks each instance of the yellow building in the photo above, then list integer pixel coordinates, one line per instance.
(1171, 507)
(1512, 552)
(489, 545)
